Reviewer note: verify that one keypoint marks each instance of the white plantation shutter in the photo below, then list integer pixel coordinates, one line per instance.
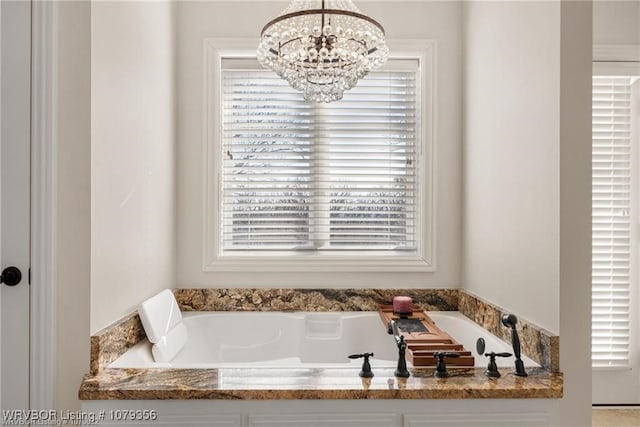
(300, 176)
(611, 221)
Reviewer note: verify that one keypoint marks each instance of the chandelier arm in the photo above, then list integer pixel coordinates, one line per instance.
(311, 65)
(370, 51)
(280, 46)
(322, 12)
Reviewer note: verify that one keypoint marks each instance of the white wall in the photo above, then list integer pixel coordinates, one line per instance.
(74, 204)
(616, 22)
(527, 189)
(440, 21)
(575, 211)
(132, 156)
(512, 157)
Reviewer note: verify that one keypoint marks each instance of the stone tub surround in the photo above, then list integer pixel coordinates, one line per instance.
(536, 342)
(111, 342)
(310, 299)
(540, 345)
(287, 384)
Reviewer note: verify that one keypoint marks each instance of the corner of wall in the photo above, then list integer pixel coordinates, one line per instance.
(74, 201)
(575, 210)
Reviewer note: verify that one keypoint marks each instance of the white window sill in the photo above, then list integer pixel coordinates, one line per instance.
(318, 263)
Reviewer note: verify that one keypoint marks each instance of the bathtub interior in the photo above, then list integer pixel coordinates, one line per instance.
(299, 339)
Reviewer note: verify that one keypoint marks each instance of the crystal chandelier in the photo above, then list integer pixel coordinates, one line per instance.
(322, 47)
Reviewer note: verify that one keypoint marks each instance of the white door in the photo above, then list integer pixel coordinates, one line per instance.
(15, 141)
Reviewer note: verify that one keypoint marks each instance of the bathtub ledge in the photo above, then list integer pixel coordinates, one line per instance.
(286, 384)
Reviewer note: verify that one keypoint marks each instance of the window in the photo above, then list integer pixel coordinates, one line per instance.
(305, 176)
(612, 225)
(343, 185)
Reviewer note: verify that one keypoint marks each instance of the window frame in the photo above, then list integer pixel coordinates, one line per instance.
(215, 50)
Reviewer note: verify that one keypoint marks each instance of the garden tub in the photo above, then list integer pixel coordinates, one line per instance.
(299, 339)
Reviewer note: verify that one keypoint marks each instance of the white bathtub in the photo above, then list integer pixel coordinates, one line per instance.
(280, 339)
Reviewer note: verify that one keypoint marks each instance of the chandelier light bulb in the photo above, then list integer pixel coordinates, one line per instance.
(322, 47)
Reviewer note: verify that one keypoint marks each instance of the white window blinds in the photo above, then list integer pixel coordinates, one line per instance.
(611, 222)
(319, 177)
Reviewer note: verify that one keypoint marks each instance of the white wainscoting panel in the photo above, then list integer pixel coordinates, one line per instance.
(320, 419)
(520, 419)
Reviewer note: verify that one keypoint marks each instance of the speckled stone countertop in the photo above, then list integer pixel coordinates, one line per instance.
(304, 383)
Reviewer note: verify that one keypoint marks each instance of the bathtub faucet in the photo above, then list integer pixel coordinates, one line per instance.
(401, 370)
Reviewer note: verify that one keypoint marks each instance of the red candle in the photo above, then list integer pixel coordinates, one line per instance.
(402, 305)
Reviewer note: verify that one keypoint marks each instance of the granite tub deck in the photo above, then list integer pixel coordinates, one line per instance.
(104, 383)
(287, 384)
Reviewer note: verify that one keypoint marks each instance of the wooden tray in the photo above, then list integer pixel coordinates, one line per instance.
(422, 345)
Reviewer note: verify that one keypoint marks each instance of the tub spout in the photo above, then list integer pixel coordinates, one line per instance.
(401, 370)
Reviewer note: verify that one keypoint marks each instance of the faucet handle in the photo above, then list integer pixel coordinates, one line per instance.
(492, 369)
(503, 354)
(443, 354)
(441, 367)
(365, 372)
(366, 356)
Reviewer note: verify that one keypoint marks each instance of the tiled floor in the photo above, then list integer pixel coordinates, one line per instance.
(616, 417)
